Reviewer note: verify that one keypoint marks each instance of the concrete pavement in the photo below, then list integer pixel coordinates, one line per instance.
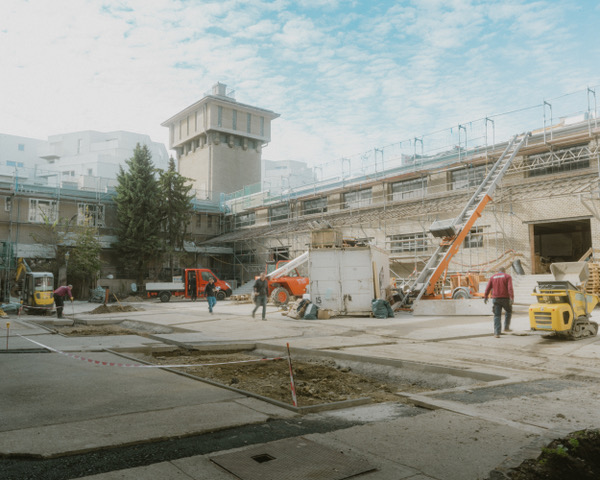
(519, 392)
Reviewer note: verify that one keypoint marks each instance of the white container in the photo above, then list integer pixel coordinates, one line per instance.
(346, 280)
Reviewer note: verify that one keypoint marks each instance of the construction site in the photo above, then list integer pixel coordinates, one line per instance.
(376, 358)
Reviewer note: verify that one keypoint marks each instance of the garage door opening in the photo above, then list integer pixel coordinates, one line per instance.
(565, 241)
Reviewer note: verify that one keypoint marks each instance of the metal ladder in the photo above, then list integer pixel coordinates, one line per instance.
(454, 231)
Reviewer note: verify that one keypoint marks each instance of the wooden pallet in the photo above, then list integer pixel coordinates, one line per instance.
(246, 298)
(593, 283)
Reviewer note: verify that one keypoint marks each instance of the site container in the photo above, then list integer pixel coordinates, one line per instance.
(346, 280)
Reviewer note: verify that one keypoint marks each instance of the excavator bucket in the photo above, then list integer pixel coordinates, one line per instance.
(575, 273)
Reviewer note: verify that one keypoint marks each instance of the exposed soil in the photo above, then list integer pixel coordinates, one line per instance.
(316, 382)
(113, 309)
(576, 456)
(95, 330)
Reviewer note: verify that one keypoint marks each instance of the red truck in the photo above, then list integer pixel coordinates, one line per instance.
(165, 290)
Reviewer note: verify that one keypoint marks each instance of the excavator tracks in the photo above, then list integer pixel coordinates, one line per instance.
(582, 328)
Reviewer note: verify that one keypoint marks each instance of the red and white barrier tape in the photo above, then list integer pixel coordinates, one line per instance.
(139, 365)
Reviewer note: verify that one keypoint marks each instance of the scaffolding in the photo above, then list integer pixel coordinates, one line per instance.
(567, 147)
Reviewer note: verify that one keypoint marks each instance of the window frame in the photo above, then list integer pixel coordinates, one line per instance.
(36, 212)
(94, 217)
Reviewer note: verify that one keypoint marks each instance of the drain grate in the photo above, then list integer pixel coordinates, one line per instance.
(291, 459)
(482, 395)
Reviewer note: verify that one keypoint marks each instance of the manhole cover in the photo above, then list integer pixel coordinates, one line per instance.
(482, 395)
(292, 459)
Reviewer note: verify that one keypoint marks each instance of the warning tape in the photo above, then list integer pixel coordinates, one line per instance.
(139, 365)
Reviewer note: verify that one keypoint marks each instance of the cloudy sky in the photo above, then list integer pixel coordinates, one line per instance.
(345, 75)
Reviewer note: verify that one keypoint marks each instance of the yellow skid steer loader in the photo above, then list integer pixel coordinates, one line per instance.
(564, 307)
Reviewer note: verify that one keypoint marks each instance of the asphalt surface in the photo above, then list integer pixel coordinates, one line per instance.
(74, 407)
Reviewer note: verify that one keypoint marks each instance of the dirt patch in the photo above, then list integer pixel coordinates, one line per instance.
(113, 309)
(575, 456)
(95, 330)
(124, 327)
(316, 382)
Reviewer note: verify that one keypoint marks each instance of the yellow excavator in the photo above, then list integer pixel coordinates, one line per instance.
(34, 289)
(563, 307)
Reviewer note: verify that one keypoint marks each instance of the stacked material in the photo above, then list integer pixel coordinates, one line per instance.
(593, 283)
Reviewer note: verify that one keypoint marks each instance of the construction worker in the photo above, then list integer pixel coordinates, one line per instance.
(501, 289)
(210, 291)
(261, 287)
(59, 298)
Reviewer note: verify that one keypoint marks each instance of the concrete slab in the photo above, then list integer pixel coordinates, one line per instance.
(439, 444)
(162, 471)
(124, 429)
(474, 306)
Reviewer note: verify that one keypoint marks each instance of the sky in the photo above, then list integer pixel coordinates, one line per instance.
(346, 76)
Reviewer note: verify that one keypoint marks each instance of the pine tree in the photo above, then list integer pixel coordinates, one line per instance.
(138, 215)
(175, 210)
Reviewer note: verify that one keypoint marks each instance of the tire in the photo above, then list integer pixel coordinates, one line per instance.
(280, 296)
(221, 295)
(164, 296)
(462, 293)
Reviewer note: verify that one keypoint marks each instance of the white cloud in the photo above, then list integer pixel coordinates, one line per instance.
(345, 75)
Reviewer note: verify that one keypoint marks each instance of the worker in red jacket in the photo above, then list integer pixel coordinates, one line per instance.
(59, 298)
(501, 289)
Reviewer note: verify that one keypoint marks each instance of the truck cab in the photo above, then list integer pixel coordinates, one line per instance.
(202, 276)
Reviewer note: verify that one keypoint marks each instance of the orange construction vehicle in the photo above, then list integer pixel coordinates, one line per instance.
(284, 280)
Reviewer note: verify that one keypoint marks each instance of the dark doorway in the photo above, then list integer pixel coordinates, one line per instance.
(564, 241)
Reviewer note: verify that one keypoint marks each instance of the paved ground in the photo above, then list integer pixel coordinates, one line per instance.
(517, 393)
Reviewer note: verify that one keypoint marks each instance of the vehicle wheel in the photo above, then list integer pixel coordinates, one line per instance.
(461, 292)
(164, 296)
(228, 292)
(221, 295)
(280, 296)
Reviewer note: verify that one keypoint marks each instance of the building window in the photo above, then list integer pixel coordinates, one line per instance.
(41, 211)
(90, 171)
(187, 125)
(10, 163)
(262, 126)
(468, 177)
(8, 204)
(409, 189)
(199, 221)
(279, 213)
(79, 145)
(412, 243)
(357, 199)
(21, 147)
(474, 239)
(245, 220)
(316, 205)
(249, 122)
(234, 120)
(219, 116)
(90, 215)
(209, 221)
